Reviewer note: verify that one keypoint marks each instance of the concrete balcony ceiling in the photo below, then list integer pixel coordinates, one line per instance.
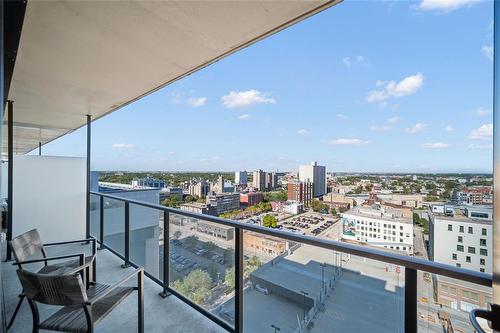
(93, 57)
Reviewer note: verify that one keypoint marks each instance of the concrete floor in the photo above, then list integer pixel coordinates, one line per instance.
(161, 315)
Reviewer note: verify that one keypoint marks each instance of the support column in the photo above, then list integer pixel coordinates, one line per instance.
(87, 213)
(10, 172)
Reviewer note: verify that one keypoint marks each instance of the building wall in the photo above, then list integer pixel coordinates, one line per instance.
(317, 175)
(451, 254)
(374, 231)
(259, 243)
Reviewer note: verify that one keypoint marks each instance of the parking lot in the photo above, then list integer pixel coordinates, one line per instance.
(311, 224)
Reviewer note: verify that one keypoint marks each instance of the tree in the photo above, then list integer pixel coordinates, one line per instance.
(196, 286)
(318, 206)
(191, 241)
(209, 246)
(212, 271)
(333, 211)
(228, 256)
(254, 261)
(177, 234)
(172, 201)
(229, 279)
(270, 221)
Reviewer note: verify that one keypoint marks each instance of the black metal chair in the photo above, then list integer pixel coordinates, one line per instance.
(28, 248)
(81, 309)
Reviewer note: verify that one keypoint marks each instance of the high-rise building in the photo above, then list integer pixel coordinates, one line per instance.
(317, 175)
(259, 180)
(300, 191)
(199, 189)
(271, 180)
(240, 178)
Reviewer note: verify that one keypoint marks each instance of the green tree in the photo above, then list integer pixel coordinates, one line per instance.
(270, 221)
(177, 234)
(228, 256)
(172, 201)
(254, 261)
(333, 211)
(191, 241)
(229, 279)
(196, 286)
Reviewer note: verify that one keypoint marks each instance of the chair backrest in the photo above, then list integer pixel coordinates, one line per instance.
(26, 245)
(53, 289)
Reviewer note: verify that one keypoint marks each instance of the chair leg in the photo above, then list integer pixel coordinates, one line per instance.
(18, 306)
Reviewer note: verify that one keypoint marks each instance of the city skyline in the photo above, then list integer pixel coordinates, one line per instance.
(311, 93)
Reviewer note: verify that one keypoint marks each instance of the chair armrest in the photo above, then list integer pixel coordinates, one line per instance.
(114, 286)
(71, 242)
(81, 255)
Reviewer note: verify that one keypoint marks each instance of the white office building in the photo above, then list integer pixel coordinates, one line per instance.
(315, 174)
(462, 237)
(378, 227)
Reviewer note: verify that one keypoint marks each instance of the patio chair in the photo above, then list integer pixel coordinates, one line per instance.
(28, 248)
(81, 309)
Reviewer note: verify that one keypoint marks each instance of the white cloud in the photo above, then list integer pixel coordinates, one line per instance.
(197, 101)
(342, 116)
(483, 111)
(244, 116)
(485, 132)
(487, 51)
(419, 127)
(479, 146)
(407, 86)
(444, 5)
(435, 145)
(393, 120)
(302, 131)
(375, 128)
(357, 60)
(449, 128)
(176, 98)
(122, 146)
(347, 142)
(347, 62)
(237, 99)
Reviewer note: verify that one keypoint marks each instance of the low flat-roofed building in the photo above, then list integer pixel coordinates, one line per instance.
(461, 295)
(251, 198)
(196, 207)
(215, 230)
(262, 243)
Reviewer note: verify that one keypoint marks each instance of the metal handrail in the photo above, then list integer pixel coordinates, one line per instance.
(358, 250)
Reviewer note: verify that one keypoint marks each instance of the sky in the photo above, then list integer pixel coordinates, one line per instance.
(365, 86)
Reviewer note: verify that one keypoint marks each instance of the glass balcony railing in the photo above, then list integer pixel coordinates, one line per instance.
(250, 278)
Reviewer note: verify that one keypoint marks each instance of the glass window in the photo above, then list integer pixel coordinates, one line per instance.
(467, 259)
(454, 256)
(471, 249)
(458, 265)
(470, 230)
(450, 227)
(460, 248)
(460, 239)
(483, 231)
(461, 228)
(481, 270)
(483, 252)
(482, 261)
(482, 242)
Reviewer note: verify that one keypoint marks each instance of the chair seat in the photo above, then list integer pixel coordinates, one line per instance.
(65, 267)
(73, 319)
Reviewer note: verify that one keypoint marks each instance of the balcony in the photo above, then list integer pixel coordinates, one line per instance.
(204, 273)
(314, 285)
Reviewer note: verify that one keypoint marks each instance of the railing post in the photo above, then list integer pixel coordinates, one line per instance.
(10, 173)
(238, 269)
(410, 300)
(127, 235)
(101, 222)
(166, 253)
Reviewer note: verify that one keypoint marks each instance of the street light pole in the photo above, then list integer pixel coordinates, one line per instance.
(276, 328)
(304, 304)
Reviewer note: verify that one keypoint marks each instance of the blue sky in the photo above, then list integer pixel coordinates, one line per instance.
(364, 86)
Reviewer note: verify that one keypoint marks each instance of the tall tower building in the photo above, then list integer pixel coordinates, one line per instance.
(259, 180)
(315, 174)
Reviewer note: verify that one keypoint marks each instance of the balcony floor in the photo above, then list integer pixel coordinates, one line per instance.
(160, 315)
